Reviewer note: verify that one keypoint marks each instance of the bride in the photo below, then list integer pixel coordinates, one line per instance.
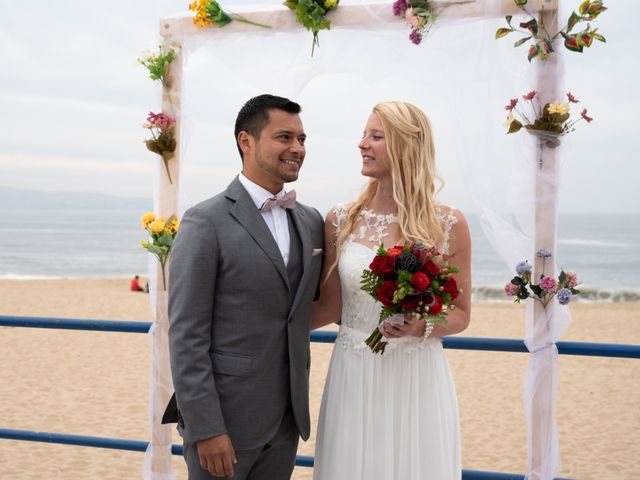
(390, 416)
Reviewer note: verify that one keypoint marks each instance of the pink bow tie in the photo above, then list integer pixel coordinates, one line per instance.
(288, 200)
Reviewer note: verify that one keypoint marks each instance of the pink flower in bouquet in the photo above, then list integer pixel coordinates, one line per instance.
(548, 284)
(412, 18)
(511, 290)
(530, 96)
(572, 280)
(512, 104)
(586, 117)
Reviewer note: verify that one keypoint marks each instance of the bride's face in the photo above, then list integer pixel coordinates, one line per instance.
(373, 148)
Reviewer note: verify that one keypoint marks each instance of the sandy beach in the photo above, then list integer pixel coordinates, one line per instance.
(91, 383)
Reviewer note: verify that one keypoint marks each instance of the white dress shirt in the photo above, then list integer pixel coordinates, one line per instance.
(276, 218)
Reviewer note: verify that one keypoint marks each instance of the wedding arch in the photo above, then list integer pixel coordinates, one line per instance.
(460, 75)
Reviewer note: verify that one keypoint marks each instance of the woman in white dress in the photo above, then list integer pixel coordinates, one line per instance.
(392, 416)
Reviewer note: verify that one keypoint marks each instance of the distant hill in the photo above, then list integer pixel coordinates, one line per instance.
(25, 199)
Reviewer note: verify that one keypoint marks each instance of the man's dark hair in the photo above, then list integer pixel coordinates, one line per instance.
(254, 114)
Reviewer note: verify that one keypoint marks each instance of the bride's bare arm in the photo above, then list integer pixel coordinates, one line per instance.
(460, 256)
(328, 308)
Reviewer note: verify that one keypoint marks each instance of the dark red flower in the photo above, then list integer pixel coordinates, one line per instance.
(584, 115)
(451, 286)
(512, 104)
(572, 99)
(410, 302)
(420, 281)
(430, 268)
(434, 304)
(385, 292)
(382, 265)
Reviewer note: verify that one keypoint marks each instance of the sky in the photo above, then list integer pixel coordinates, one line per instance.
(73, 100)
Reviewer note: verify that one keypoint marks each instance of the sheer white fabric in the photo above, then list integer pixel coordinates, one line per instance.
(386, 417)
(460, 75)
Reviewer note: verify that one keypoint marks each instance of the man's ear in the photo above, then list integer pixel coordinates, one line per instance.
(246, 142)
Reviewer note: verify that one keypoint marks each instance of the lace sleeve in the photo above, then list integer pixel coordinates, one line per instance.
(340, 212)
(447, 220)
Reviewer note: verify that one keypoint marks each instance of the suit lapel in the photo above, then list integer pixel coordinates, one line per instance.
(298, 216)
(245, 212)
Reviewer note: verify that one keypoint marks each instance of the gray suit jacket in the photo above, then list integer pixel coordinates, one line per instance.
(239, 343)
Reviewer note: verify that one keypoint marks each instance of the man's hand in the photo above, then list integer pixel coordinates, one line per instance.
(217, 455)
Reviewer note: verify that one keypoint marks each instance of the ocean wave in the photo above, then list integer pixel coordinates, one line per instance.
(592, 243)
(16, 276)
(587, 295)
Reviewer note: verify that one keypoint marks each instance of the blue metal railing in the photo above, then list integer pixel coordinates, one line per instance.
(323, 336)
(463, 343)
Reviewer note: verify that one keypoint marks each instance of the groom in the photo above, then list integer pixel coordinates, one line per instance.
(244, 272)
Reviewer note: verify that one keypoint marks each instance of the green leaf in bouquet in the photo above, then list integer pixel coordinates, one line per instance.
(154, 146)
(573, 20)
(503, 32)
(532, 26)
(518, 281)
(508, 19)
(562, 278)
(165, 240)
(370, 282)
(598, 37)
(574, 291)
(534, 51)
(521, 41)
(584, 39)
(537, 290)
(514, 126)
(155, 249)
(520, 3)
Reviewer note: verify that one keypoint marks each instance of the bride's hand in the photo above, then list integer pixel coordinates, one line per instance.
(413, 326)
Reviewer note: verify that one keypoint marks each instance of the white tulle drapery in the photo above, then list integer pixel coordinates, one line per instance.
(460, 76)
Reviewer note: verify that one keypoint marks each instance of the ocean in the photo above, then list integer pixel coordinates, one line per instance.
(105, 243)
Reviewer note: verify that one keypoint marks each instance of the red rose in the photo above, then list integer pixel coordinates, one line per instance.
(410, 302)
(430, 268)
(385, 292)
(420, 281)
(395, 251)
(382, 265)
(436, 305)
(451, 286)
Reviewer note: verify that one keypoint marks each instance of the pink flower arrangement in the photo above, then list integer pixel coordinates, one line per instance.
(419, 14)
(162, 141)
(522, 288)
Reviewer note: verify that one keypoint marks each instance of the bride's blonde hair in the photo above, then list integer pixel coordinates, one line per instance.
(411, 154)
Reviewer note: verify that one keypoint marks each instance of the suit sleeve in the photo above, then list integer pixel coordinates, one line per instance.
(192, 285)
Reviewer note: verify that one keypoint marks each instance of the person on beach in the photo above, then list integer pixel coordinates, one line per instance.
(245, 269)
(135, 284)
(391, 416)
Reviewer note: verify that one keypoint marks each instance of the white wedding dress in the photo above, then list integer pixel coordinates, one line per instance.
(384, 417)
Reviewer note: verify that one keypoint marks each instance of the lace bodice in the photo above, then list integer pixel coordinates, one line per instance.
(360, 312)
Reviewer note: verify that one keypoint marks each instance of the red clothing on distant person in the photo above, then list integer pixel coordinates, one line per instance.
(135, 285)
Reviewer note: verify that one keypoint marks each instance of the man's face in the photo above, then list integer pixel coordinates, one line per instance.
(276, 156)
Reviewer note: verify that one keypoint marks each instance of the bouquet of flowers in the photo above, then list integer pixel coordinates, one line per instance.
(157, 63)
(407, 280)
(311, 14)
(419, 14)
(162, 233)
(543, 40)
(209, 12)
(563, 288)
(162, 141)
(549, 121)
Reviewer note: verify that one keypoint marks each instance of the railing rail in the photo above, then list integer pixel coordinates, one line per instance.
(322, 336)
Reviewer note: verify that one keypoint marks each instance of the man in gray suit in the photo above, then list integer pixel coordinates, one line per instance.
(245, 268)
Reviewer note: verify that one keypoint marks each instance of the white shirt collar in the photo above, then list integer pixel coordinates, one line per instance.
(257, 193)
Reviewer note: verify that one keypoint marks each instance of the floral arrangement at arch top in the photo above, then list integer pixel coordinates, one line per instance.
(312, 15)
(162, 232)
(408, 280)
(549, 121)
(162, 141)
(521, 286)
(158, 62)
(208, 12)
(542, 40)
(419, 14)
